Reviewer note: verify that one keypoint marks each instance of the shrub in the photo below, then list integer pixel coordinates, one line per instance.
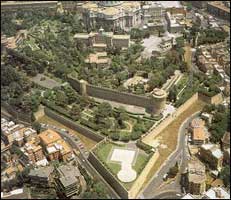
(143, 146)
(125, 137)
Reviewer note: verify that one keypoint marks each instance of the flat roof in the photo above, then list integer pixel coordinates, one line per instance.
(217, 193)
(49, 136)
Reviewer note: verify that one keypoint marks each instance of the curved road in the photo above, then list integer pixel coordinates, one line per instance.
(179, 155)
(82, 158)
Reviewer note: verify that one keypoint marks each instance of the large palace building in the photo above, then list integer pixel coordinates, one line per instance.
(112, 15)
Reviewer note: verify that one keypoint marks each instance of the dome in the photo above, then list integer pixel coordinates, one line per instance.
(109, 3)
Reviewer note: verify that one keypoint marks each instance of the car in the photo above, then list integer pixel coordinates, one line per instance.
(64, 138)
(165, 177)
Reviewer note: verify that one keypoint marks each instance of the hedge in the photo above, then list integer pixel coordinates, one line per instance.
(145, 147)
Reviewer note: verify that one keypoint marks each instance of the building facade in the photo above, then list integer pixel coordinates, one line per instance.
(219, 9)
(211, 154)
(196, 177)
(112, 15)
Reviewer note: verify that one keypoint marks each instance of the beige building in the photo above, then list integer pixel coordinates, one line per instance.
(54, 146)
(98, 59)
(225, 141)
(211, 154)
(112, 15)
(102, 40)
(198, 133)
(196, 177)
(33, 152)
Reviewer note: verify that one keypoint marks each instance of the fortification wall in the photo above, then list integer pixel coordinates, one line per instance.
(113, 95)
(148, 138)
(108, 176)
(139, 183)
(73, 125)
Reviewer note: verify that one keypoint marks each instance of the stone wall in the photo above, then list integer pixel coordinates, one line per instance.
(112, 95)
(148, 139)
(139, 183)
(73, 125)
(114, 183)
(122, 97)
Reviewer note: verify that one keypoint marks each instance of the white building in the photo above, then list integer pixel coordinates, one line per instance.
(216, 193)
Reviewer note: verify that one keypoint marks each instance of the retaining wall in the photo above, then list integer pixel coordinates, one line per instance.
(139, 183)
(106, 174)
(73, 125)
(148, 138)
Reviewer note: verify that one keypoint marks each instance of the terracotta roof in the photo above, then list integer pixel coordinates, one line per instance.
(49, 136)
(197, 123)
(199, 134)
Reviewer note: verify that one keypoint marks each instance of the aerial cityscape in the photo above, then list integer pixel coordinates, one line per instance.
(115, 99)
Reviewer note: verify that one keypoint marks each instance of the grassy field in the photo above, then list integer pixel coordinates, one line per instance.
(103, 153)
(169, 136)
(88, 143)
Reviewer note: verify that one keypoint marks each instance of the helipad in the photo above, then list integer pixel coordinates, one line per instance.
(126, 158)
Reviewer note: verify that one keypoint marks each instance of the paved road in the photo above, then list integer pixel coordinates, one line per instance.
(179, 155)
(85, 163)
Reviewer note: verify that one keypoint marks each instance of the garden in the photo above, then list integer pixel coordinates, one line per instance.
(116, 123)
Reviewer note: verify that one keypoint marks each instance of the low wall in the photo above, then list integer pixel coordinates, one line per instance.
(114, 183)
(139, 183)
(217, 99)
(148, 138)
(73, 125)
(112, 95)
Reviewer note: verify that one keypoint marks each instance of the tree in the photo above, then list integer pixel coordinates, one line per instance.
(61, 99)
(225, 175)
(173, 170)
(172, 94)
(36, 126)
(114, 135)
(75, 111)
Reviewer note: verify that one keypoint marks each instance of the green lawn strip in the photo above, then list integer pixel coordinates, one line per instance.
(140, 162)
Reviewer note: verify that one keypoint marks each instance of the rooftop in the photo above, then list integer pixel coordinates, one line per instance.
(68, 174)
(49, 136)
(43, 172)
(217, 193)
(196, 123)
(196, 171)
(199, 134)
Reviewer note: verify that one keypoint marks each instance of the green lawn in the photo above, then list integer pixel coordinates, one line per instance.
(103, 151)
(140, 162)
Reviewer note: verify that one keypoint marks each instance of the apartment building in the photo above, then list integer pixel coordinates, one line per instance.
(196, 177)
(211, 154)
(199, 4)
(33, 153)
(42, 176)
(16, 133)
(54, 146)
(219, 9)
(198, 132)
(67, 180)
